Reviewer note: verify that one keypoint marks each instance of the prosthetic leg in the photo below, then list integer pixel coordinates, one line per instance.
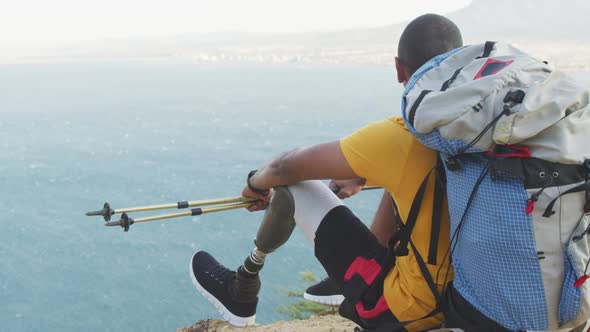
(275, 229)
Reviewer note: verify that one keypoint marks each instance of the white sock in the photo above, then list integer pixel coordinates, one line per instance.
(313, 200)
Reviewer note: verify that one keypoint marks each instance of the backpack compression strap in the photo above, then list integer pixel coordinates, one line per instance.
(487, 49)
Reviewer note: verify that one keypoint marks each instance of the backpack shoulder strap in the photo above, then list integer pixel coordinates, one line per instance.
(406, 228)
(587, 169)
(437, 208)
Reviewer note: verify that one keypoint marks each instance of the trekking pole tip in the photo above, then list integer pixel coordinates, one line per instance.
(106, 212)
(125, 222)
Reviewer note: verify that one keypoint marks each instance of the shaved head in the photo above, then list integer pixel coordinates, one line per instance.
(426, 37)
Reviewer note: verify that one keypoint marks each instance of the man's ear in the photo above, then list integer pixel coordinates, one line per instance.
(402, 75)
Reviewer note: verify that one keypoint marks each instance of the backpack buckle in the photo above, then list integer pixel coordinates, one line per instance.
(515, 97)
(401, 251)
(511, 99)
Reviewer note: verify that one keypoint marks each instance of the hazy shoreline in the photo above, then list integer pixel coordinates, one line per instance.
(567, 57)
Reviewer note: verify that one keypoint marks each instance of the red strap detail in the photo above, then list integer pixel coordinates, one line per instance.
(489, 61)
(581, 280)
(379, 308)
(367, 269)
(521, 152)
(530, 206)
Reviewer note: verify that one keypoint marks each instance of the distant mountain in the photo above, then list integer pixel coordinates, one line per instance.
(525, 20)
(557, 30)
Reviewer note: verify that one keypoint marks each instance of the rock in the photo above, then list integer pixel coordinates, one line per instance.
(324, 323)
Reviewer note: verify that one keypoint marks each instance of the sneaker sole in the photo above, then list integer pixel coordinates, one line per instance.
(227, 315)
(327, 300)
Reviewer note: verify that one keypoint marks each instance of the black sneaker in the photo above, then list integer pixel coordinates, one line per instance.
(234, 294)
(324, 292)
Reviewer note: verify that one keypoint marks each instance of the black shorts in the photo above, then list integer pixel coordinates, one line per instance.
(354, 259)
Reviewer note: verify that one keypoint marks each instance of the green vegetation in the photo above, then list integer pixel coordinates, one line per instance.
(302, 308)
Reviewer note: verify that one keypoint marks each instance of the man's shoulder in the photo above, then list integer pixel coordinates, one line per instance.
(394, 125)
(399, 123)
(394, 128)
(399, 132)
(390, 134)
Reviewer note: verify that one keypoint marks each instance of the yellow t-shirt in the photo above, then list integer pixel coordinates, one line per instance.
(386, 154)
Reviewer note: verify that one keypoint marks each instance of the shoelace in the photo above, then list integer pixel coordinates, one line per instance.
(219, 272)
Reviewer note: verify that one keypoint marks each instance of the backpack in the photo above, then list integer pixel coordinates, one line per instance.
(514, 136)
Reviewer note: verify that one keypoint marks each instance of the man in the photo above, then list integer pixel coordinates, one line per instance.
(378, 293)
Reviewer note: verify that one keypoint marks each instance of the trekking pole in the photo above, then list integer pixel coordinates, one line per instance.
(336, 188)
(125, 222)
(223, 204)
(371, 188)
(107, 211)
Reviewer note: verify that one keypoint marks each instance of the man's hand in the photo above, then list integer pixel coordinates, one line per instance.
(347, 188)
(262, 201)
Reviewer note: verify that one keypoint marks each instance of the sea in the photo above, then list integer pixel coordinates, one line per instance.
(76, 135)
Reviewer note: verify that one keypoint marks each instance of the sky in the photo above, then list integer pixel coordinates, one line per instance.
(31, 23)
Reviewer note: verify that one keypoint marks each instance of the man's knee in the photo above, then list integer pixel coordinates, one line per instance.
(313, 201)
(305, 204)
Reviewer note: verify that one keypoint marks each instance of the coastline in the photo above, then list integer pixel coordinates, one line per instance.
(567, 57)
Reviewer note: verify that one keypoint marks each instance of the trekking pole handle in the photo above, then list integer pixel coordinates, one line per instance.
(336, 188)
